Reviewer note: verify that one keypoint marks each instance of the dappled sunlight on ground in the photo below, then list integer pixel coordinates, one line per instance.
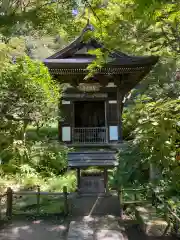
(36, 230)
(81, 228)
(96, 227)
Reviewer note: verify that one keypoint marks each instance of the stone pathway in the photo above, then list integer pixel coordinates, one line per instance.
(107, 228)
(34, 230)
(81, 228)
(95, 205)
(96, 228)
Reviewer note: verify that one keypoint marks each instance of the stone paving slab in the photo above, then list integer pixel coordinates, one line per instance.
(81, 229)
(95, 206)
(108, 235)
(108, 222)
(34, 230)
(95, 228)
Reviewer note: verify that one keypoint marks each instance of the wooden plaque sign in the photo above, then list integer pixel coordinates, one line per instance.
(89, 87)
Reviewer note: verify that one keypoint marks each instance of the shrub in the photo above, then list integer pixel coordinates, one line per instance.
(133, 167)
(49, 157)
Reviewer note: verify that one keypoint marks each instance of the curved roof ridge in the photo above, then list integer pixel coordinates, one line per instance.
(68, 54)
(73, 44)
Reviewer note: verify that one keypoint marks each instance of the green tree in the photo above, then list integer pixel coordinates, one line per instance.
(21, 17)
(157, 134)
(28, 95)
(155, 25)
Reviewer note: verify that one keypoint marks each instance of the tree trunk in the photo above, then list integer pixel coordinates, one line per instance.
(154, 173)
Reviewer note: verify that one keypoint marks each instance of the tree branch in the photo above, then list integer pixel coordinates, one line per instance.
(11, 117)
(170, 42)
(95, 15)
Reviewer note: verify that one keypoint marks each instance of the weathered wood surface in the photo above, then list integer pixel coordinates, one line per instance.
(94, 158)
(41, 193)
(9, 203)
(10, 195)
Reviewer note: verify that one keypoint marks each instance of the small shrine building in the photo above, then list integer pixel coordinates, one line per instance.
(91, 109)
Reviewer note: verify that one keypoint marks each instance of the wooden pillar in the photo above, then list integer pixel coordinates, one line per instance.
(106, 121)
(154, 174)
(120, 196)
(59, 131)
(106, 180)
(119, 113)
(59, 121)
(9, 203)
(73, 121)
(78, 178)
(66, 208)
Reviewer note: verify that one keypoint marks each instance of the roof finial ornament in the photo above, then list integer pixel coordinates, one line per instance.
(89, 26)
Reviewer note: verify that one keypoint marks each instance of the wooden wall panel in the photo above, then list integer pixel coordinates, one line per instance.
(66, 114)
(111, 113)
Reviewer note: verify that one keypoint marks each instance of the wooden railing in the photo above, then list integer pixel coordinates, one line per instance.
(134, 201)
(90, 135)
(154, 198)
(9, 195)
(169, 214)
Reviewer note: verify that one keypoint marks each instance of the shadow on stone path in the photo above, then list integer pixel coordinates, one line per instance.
(133, 232)
(86, 228)
(96, 228)
(34, 230)
(95, 205)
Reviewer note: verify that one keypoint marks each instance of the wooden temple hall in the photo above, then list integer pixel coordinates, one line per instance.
(91, 110)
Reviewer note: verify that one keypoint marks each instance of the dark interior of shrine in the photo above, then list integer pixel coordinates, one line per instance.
(89, 114)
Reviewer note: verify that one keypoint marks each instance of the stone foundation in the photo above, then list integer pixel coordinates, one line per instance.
(150, 223)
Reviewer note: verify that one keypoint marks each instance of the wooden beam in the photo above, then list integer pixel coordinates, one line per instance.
(119, 112)
(59, 121)
(73, 122)
(120, 197)
(103, 80)
(59, 131)
(106, 120)
(9, 204)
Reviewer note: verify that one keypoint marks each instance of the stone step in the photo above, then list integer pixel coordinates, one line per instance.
(149, 221)
(95, 228)
(81, 230)
(95, 205)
